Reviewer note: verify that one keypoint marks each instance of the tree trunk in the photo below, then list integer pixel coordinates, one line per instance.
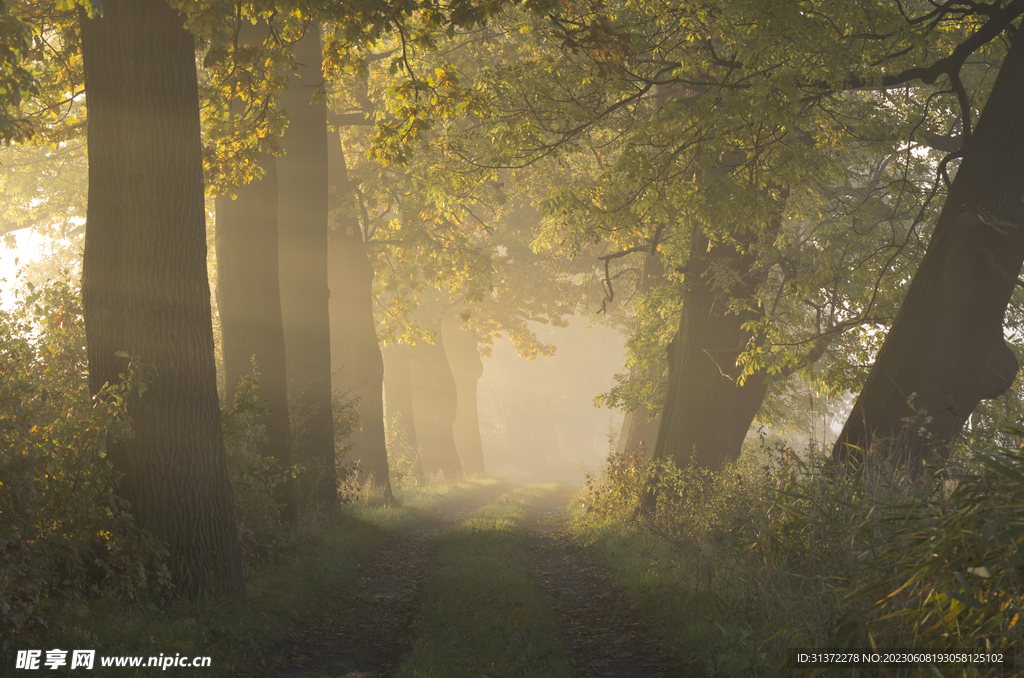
(358, 367)
(434, 405)
(145, 287)
(706, 413)
(638, 432)
(249, 301)
(946, 351)
(398, 389)
(303, 220)
(639, 427)
(467, 368)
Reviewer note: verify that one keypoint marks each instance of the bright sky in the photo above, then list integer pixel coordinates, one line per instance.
(28, 248)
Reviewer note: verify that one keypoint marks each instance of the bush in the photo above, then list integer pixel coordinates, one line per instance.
(309, 471)
(254, 479)
(63, 531)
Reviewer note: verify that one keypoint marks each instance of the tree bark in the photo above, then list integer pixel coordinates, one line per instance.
(145, 287)
(707, 413)
(639, 427)
(358, 367)
(398, 389)
(249, 301)
(303, 220)
(946, 350)
(435, 402)
(467, 368)
(637, 432)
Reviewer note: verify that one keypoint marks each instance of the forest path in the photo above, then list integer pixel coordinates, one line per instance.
(604, 634)
(367, 631)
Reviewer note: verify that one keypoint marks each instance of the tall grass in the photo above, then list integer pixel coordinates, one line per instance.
(778, 554)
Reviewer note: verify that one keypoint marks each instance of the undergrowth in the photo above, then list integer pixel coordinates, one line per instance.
(741, 567)
(75, 570)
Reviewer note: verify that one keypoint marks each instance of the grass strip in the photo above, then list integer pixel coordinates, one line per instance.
(482, 615)
(315, 562)
(662, 588)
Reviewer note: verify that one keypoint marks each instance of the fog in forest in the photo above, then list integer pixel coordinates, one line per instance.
(404, 339)
(537, 419)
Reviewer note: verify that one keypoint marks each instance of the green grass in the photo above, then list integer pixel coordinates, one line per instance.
(315, 562)
(665, 590)
(481, 613)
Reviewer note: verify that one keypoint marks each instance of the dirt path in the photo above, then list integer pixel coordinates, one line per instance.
(367, 631)
(604, 634)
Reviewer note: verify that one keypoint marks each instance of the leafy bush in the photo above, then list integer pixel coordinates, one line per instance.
(63, 531)
(254, 478)
(309, 470)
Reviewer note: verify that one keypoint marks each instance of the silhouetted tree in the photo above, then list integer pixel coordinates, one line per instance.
(303, 222)
(145, 288)
(946, 351)
(357, 362)
(461, 348)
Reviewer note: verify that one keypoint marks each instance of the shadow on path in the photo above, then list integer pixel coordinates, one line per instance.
(603, 632)
(369, 628)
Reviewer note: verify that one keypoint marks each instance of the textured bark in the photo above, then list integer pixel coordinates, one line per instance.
(358, 367)
(639, 427)
(707, 414)
(435, 402)
(398, 389)
(946, 346)
(637, 432)
(467, 368)
(145, 288)
(303, 221)
(249, 301)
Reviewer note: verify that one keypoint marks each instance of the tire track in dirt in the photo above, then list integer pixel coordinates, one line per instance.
(370, 627)
(604, 634)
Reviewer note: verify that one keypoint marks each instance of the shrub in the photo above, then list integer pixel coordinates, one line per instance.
(309, 470)
(63, 531)
(254, 478)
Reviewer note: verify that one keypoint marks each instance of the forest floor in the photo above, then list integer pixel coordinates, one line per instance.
(371, 629)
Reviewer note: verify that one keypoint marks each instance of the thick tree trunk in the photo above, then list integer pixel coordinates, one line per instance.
(303, 220)
(398, 389)
(435, 402)
(639, 427)
(946, 351)
(637, 432)
(467, 368)
(145, 287)
(706, 413)
(358, 367)
(249, 301)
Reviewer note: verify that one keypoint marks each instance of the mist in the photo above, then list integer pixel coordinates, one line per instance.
(537, 418)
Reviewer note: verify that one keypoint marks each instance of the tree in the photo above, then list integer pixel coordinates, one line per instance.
(249, 301)
(461, 349)
(303, 221)
(783, 178)
(398, 389)
(434, 396)
(145, 288)
(946, 351)
(358, 365)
